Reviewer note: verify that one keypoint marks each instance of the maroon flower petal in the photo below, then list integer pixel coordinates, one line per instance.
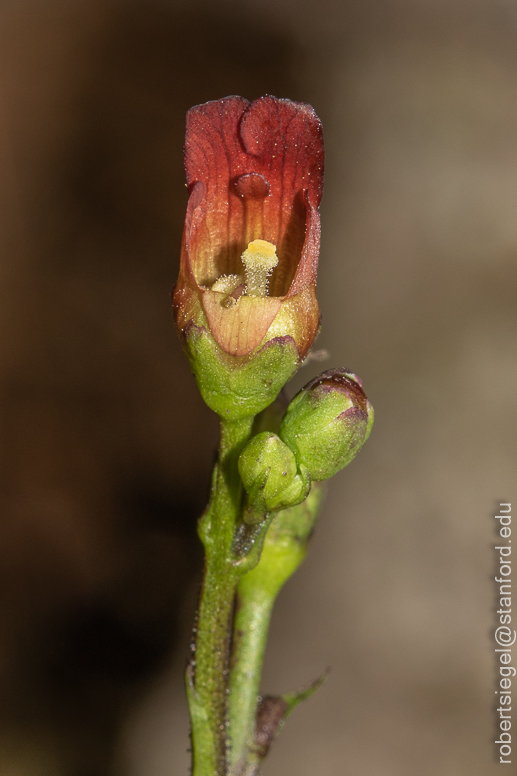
(261, 166)
(254, 171)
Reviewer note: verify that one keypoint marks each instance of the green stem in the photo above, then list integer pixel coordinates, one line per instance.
(284, 549)
(254, 608)
(208, 688)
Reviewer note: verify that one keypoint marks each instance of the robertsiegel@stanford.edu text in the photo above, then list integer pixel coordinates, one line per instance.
(504, 635)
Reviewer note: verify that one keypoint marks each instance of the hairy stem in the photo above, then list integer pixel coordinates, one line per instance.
(208, 674)
(284, 549)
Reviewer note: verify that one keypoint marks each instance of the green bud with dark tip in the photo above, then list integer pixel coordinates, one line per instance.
(327, 423)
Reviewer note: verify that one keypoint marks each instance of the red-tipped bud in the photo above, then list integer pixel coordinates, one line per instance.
(328, 422)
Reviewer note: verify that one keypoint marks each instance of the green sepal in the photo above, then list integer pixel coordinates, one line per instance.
(297, 491)
(239, 386)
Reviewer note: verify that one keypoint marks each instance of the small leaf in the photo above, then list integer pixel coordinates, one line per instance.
(272, 712)
(292, 699)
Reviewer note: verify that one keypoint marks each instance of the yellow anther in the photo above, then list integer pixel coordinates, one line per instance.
(259, 260)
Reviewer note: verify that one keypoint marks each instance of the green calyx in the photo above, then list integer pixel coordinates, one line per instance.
(327, 423)
(271, 476)
(240, 386)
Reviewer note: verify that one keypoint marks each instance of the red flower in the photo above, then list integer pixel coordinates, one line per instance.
(254, 173)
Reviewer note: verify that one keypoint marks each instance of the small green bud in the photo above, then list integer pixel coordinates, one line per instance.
(267, 466)
(271, 476)
(328, 422)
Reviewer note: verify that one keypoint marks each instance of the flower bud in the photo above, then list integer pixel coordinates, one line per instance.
(271, 476)
(327, 423)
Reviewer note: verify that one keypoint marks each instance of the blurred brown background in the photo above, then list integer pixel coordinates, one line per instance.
(106, 446)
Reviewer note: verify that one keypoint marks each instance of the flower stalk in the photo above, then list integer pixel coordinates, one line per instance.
(246, 311)
(285, 548)
(209, 663)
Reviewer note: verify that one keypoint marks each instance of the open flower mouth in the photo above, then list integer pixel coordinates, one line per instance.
(253, 192)
(259, 260)
(254, 173)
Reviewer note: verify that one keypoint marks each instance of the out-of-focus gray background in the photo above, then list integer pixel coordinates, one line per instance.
(106, 446)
